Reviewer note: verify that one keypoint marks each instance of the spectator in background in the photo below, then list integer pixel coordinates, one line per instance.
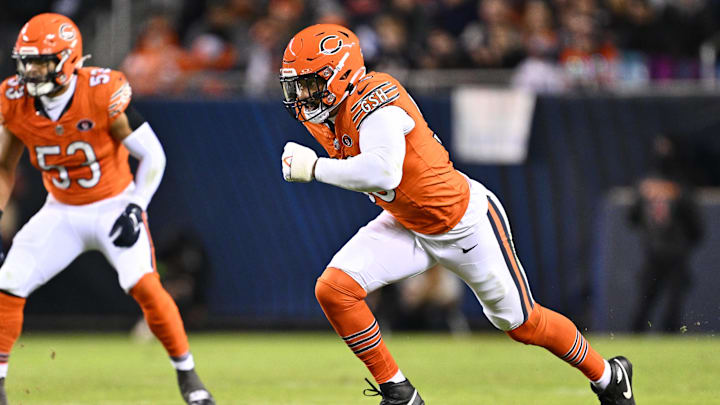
(212, 43)
(227, 20)
(495, 40)
(268, 41)
(327, 12)
(632, 23)
(538, 29)
(289, 13)
(362, 12)
(539, 72)
(667, 216)
(596, 43)
(393, 55)
(452, 16)
(158, 65)
(589, 59)
(442, 51)
(213, 39)
(684, 25)
(413, 16)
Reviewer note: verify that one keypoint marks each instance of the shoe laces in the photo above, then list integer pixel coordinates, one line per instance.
(373, 391)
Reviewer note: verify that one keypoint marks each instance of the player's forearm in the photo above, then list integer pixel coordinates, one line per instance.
(367, 172)
(378, 167)
(144, 145)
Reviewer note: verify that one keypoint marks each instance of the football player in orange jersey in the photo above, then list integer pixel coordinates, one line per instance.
(79, 129)
(432, 214)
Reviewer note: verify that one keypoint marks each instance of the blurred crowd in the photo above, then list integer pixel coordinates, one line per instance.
(550, 45)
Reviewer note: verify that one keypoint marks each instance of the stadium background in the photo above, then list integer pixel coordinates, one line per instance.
(609, 76)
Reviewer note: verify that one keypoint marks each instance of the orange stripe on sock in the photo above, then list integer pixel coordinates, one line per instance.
(365, 340)
(511, 255)
(559, 335)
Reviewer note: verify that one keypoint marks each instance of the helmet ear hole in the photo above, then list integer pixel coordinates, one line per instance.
(345, 75)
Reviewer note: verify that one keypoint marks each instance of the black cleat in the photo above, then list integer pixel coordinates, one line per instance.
(192, 389)
(402, 393)
(619, 391)
(3, 397)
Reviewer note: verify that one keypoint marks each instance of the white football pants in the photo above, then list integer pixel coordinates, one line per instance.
(479, 250)
(58, 233)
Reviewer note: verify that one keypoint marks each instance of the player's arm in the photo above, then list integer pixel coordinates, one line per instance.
(382, 152)
(378, 166)
(130, 128)
(11, 148)
(138, 137)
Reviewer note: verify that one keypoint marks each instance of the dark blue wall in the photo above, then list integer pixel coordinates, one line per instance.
(269, 240)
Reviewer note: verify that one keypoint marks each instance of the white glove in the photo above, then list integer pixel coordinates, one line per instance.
(298, 163)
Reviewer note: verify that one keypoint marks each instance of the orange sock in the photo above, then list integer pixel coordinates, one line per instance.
(161, 314)
(11, 320)
(553, 331)
(342, 300)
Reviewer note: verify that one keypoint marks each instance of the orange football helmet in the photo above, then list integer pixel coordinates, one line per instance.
(320, 67)
(54, 40)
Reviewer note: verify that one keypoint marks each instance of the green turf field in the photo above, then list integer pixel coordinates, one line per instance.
(316, 368)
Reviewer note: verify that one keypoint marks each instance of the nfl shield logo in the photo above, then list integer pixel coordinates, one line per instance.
(59, 130)
(85, 125)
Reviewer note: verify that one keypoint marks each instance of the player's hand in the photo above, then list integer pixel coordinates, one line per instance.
(126, 230)
(298, 163)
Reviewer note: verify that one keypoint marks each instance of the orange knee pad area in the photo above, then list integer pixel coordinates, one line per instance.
(532, 331)
(335, 288)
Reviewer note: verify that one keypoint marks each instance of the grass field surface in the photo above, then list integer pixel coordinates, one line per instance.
(317, 368)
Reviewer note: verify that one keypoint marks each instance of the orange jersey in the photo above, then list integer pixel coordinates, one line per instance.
(432, 196)
(80, 161)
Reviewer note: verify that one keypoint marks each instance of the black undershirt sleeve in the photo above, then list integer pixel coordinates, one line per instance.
(134, 117)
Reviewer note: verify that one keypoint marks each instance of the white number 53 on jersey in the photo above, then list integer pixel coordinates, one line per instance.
(63, 179)
(99, 76)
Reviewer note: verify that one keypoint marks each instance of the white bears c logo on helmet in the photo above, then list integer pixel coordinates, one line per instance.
(66, 32)
(324, 45)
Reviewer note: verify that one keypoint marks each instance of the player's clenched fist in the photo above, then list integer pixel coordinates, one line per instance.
(126, 229)
(298, 163)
